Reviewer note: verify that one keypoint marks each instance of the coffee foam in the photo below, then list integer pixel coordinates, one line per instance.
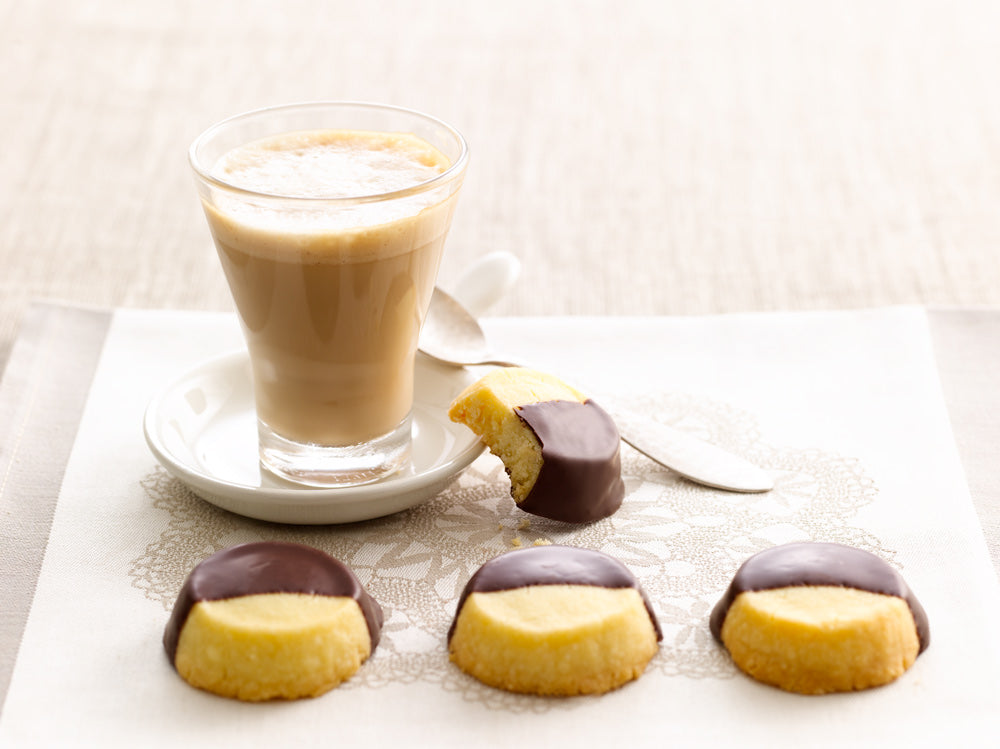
(310, 167)
(341, 235)
(331, 164)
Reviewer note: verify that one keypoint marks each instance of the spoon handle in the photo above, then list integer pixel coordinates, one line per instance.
(692, 458)
(486, 282)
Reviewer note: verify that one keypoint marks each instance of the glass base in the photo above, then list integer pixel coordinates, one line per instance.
(326, 466)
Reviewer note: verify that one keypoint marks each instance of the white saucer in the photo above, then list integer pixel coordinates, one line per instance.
(203, 429)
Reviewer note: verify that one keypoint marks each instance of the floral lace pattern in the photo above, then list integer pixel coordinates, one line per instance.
(681, 540)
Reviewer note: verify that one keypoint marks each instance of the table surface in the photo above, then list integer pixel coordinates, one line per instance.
(646, 158)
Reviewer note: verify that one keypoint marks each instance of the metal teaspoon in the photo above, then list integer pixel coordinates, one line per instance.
(452, 336)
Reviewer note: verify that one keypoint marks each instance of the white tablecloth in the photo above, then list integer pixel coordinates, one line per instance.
(865, 419)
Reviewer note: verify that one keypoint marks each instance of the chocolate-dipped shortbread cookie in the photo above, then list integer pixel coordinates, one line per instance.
(271, 621)
(559, 448)
(815, 618)
(553, 620)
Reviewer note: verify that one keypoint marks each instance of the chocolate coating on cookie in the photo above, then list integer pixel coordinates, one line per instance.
(810, 563)
(580, 479)
(268, 567)
(552, 565)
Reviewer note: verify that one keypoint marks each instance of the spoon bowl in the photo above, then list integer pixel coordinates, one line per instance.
(451, 335)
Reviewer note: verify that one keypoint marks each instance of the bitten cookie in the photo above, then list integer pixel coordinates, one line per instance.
(553, 620)
(271, 620)
(560, 449)
(815, 618)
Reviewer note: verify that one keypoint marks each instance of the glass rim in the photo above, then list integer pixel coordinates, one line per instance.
(453, 170)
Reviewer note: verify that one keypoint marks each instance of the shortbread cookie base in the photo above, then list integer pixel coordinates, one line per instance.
(820, 639)
(554, 639)
(560, 449)
(272, 646)
(487, 408)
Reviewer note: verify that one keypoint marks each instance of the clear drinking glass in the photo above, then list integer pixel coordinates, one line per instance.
(331, 284)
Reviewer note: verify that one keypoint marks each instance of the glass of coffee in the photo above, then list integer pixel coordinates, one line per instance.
(329, 219)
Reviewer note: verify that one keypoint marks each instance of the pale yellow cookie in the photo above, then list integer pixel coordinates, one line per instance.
(815, 640)
(271, 620)
(488, 406)
(553, 620)
(554, 640)
(560, 449)
(270, 646)
(815, 618)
